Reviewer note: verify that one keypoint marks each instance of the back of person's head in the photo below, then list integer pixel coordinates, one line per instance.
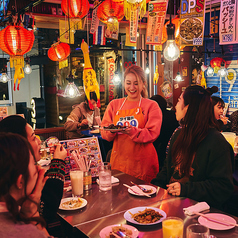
(160, 100)
(216, 100)
(15, 124)
(140, 75)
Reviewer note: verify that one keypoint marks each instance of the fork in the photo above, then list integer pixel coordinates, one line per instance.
(141, 188)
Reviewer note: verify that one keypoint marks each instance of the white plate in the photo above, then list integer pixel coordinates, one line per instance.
(128, 217)
(215, 225)
(84, 203)
(136, 189)
(105, 231)
(44, 162)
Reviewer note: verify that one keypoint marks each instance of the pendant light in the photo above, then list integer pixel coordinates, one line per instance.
(210, 71)
(171, 51)
(71, 90)
(147, 69)
(27, 68)
(222, 72)
(116, 78)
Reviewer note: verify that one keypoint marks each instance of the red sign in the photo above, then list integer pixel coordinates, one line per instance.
(111, 69)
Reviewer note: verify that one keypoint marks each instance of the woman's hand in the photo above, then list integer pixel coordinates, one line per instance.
(29, 207)
(59, 152)
(224, 120)
(127, 130)
(84, 122)
(174, 188)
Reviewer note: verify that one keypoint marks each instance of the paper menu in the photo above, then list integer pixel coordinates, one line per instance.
(88, 148)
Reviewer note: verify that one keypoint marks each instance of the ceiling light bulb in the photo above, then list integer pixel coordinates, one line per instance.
(222, 72)
(4, 78)
(147, 70)
(27, 69)
(171, 51)
(210, 71)
(178, 77)
(116, 78)
(71, 91)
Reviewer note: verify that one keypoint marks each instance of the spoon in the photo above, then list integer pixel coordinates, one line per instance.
(141, 188)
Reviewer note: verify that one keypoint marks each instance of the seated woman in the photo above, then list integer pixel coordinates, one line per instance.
(199, 161)
(20, 189)
(53, 189)
(82, 117)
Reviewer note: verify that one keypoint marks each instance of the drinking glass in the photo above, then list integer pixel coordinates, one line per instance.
(197, 231)
(105, 182)
(76, 177)
(230, 137)
(172, 227)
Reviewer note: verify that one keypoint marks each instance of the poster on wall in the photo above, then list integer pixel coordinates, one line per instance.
(228, 33)
(89, 150)
(157, 12)
(167, 89)
(192, 16)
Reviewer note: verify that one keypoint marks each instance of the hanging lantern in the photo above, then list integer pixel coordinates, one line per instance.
(16, 41)
(109, 9)
(75, 8)
(59, 52)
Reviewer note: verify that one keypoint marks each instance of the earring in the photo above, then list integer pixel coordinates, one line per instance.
(20, 187)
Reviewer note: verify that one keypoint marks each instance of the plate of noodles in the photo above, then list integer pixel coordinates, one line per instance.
(72, 203)
(145, 215)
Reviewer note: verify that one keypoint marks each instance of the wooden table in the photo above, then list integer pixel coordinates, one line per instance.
(108, 208)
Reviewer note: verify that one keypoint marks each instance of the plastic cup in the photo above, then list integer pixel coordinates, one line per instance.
(105, 182)
(76, 177)
(197, 231)
(230, 137)
(172, 227)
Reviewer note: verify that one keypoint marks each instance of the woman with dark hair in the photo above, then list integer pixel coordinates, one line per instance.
(133, 151)
(53, 189)
(82, 117)
(21, 184)
(199, 161)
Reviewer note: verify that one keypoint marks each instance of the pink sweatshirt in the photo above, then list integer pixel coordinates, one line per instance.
(152, 117)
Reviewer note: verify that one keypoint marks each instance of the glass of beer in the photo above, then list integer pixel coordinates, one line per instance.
(172, 227)
(76, 177)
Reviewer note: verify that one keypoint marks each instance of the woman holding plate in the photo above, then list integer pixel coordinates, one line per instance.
(133, 151)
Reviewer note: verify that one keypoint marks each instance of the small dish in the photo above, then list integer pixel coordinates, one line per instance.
(68, 208)
(106, 231)
(140, 192)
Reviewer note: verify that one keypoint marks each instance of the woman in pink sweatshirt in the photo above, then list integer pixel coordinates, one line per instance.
(133, 151)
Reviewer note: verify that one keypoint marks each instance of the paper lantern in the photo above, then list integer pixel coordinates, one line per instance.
(16, 41)
(75, 8)
(59, 52)
(109, 9)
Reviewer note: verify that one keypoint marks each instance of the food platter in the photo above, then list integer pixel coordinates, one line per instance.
(115, 130)
(129, 218)
(106, 231)
(72, 203)
(140, 192)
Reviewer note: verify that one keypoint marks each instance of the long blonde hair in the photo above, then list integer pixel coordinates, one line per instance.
(140, 75)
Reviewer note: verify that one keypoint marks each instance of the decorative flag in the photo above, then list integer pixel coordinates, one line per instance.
(157, 12)
(133, 25)
(128, 42)
(95, 19)
(64, 32)
(192, 15)
(98, 36)
(228, 22)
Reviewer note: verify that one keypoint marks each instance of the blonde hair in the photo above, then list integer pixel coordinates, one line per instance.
(140, 75)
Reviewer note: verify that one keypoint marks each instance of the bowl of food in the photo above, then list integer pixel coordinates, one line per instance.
(191, 28)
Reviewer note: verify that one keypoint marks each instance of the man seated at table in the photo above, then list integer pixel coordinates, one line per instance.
(82, 117)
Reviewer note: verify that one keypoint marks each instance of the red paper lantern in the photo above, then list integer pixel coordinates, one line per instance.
(216, 62)
(59, 51)
(75, 8)
(16, 40)
(109, 8)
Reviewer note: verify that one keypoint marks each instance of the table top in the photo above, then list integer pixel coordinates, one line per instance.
(108, 208)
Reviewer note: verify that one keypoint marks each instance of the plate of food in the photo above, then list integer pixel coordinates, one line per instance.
(115, 128)
(72, 203)
(215, 225)
(109, 231)
(138, 192)
(96, 131)
(145, 215)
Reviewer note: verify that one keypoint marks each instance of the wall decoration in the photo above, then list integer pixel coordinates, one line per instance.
(166, 89)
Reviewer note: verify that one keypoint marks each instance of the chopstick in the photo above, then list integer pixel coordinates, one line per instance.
(226, 223)
(137, 192)
(117, 236)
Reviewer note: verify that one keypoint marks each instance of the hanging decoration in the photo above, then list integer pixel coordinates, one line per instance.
(110, 13)
(216, 63)
(157, 13)
(99, 36)
(95, 20)
(66, 32)
(156, 75)
(89, 76)
(75, 8)
(203, 79)
(16, 41)
(59, 52)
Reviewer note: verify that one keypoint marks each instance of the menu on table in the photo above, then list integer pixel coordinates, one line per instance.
(88, 148)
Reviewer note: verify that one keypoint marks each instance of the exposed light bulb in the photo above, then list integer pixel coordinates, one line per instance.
(4, 78)
(171, 51)
(116, 78)
(222, 72)
(147, 70)
(138, 34)
(178, 77)
(210, 71)
(27, 69)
